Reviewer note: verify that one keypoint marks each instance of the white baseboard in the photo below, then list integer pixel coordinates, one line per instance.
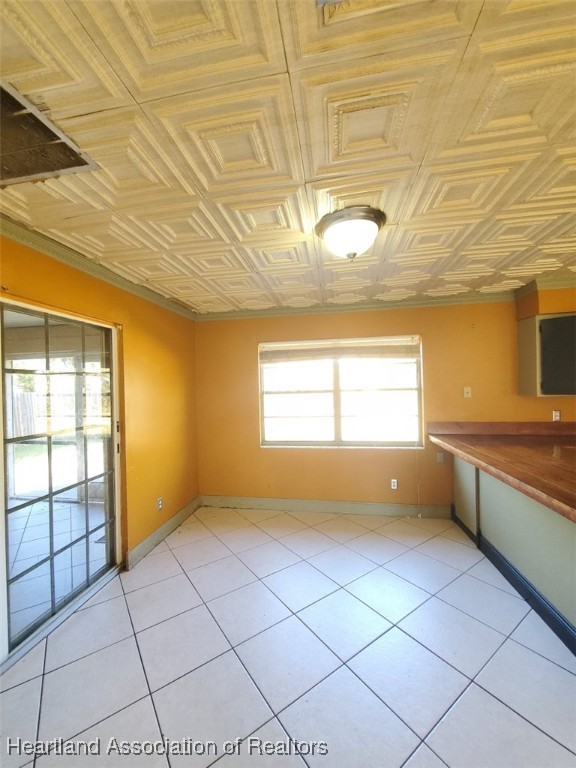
(136, 554)
(341, 507)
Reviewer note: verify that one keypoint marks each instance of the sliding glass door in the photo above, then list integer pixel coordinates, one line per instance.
(58, 462)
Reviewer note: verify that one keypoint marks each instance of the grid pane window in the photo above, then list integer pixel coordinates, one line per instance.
(27, 405)
(59, 462)
(352, 392)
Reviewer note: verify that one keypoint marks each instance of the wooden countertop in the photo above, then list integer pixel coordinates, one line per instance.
(536, 458)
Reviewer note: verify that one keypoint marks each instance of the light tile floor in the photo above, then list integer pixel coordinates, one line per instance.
(385, 642)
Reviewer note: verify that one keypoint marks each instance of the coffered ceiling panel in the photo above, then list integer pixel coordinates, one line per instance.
(134, 163)
(265, 216)
(353, 28)
(221, 131)
(48, 55)
(386, 192)
(166, 47)
(232, 135)
(182, 226)
(548, 183)
(470, 189)
(284, 261)
(515, 85)
(373, 112)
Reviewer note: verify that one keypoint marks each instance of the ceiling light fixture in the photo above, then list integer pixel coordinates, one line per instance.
(350, 231)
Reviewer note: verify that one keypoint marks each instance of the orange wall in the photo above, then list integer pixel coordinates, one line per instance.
(191, 405)
(158, 373)
(546, 302)
(558, 300)
(463, 345)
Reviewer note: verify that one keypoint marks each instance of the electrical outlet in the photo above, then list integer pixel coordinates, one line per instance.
(159, 503)
(467, 392)
(440, 457)
(394, 484)
(555, 415)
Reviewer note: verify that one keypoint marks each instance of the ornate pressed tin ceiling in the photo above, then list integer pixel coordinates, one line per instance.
(223, 130)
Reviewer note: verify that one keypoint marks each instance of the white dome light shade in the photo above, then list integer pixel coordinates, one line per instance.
(350, 231)
(350, 237)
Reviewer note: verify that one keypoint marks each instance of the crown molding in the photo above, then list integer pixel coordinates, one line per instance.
(549, 282)
(365, 306)
(21, 234)
(526, 290)
(556, 280)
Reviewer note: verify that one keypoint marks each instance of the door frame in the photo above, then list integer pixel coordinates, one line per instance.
(115, 335)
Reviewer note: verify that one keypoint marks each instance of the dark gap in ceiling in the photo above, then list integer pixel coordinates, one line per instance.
(29, 147)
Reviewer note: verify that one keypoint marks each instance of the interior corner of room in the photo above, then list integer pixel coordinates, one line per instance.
(186, 430)
(182, 327)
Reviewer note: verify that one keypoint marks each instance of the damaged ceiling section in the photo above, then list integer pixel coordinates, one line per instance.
(30, 147)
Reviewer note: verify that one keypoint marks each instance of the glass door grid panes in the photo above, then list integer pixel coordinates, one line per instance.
(59, 462)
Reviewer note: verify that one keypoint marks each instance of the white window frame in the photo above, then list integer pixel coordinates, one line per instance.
(404, 347)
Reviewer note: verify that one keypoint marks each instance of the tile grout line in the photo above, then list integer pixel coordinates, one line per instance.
(413, 754)
(538, 653)
(254, 683)
(293, 613)
(233, 554)
(152, 702)
(364, 683)
(394, 624)
(343, 664)
(111, 714)
(508, 706)
(87, 655)
(40, 698)
(519, 714)
(471, 681)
